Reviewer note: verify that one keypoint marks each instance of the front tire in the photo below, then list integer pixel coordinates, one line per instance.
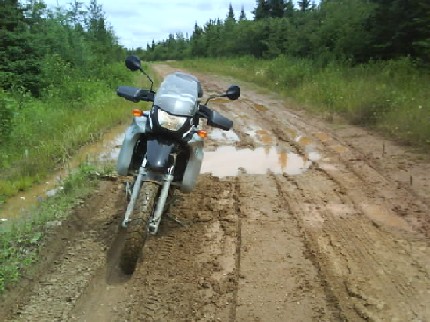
(137, 228)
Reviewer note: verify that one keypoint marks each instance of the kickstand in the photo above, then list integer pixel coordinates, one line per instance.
(174, 219)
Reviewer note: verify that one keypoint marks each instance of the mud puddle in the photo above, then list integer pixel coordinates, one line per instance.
(229, 161)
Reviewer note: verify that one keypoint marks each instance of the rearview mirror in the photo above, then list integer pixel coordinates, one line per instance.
(133, 63)
(233, 92)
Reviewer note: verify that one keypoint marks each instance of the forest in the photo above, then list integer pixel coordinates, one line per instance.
(354, 31)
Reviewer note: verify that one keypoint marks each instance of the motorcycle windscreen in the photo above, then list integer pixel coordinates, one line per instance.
(158, 154)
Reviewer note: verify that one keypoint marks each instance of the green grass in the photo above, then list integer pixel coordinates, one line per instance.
(22, 238)
(390, 97)
(41, 135)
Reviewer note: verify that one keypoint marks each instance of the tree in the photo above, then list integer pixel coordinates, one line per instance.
(100, 35)
(400, 28)
(19, 55)
(76, 13)
(422, 43)
(289, 9)
(230, 15)
(197, 42)
(304, 5)
(242, 14)
(277, 8)
(262, 10)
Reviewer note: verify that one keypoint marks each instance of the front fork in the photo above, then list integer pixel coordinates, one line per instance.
(161, 202)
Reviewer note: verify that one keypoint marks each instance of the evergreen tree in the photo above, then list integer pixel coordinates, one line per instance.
(262, 10)
(422, 43)
(242, 14)
(304, 5)
(401, 28)
(76, 13)
(19, 55)
(197, 42)
(101, 36)
(277, 8)
(230, 15)
(289, 9)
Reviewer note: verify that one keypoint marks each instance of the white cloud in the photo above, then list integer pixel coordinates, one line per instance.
(138, 22)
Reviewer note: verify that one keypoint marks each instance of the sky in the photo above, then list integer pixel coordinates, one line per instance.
(138, 22)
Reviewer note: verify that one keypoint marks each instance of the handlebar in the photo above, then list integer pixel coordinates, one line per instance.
(135, 94)
(213, 117)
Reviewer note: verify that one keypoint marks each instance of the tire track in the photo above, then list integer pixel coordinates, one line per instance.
(233, 309)
(365, 276)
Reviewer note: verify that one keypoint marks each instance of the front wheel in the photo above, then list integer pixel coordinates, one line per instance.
(137, 228)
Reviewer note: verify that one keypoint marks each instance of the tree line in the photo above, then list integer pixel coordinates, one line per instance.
(32, 37)
(349, 30)
(52, 53)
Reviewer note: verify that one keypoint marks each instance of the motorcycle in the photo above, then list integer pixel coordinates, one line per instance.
(162, 151)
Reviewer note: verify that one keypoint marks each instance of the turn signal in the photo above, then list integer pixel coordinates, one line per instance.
(137, 112)
(202, 134)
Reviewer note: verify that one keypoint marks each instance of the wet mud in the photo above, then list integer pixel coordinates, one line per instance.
(292, 219)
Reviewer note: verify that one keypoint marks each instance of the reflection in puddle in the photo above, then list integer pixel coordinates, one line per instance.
(303, 140)
(223, 136)
(111, 150)
(262, 136)
(227, 161)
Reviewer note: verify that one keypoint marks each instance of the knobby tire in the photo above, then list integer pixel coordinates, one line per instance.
(137, 228)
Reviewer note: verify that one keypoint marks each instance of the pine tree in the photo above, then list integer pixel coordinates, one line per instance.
(401, 28)
(277, 8)
(230, 15)
(262, 10)
(289, 9)
(242, 14)
(304, 5)
(19, 56)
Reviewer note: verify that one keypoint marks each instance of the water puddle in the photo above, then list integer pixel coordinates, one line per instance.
(105, 150)
(223, 136)
(261, 136)
(228, 161)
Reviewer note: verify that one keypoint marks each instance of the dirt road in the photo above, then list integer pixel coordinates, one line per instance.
(295, 219)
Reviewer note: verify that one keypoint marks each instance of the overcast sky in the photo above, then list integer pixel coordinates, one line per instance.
(138, 22)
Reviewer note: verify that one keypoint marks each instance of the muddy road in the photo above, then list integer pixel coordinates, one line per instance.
(294, 219)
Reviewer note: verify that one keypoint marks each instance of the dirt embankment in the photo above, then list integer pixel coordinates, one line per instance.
(305, 221)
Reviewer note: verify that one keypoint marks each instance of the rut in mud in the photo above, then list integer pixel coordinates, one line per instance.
(294, 220)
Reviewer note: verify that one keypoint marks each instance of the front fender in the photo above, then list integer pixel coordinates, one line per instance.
(158, 154)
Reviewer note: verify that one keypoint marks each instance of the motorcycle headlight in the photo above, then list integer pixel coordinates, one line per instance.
(170, 122)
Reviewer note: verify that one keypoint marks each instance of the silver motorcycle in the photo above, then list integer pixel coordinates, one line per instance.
(162, 151)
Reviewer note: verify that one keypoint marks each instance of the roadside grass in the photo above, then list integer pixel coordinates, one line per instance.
(46, 137)
(388, 96)
(44, 133)
(22, 238)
